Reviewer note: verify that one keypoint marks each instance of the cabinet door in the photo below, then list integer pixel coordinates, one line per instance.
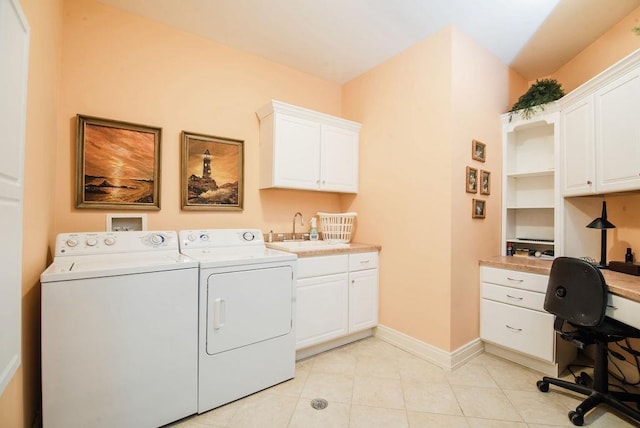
(339, 160)
(363, 299)
(322, 309)
(296, 158)
(618, 134)
(578, 146)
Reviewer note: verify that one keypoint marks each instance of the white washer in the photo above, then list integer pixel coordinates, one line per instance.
(247, 307)
(119, 331)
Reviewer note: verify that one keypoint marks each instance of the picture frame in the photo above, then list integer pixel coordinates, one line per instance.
(485, 182)
(471, 182)
(478, 151)
(117, 164)
(478, 208)
(212, 172)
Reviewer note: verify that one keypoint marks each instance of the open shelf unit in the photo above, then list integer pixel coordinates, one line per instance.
(530, 217)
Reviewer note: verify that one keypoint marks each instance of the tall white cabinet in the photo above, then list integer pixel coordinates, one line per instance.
(307, 150)
(531, 197)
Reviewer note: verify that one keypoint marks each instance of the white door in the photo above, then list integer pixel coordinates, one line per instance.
(363, 299)
(14, 70)
(297, 153)
(578, 148)
(339, 155)
(323, 309)
(618, 134)
(247, 307)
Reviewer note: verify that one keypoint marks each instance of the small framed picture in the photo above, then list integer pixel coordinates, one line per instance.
(478, 208)
(478, 151)
(212, 172)
(485, 182)
(472, 180)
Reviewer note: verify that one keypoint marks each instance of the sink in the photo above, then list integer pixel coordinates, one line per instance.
(294, 246)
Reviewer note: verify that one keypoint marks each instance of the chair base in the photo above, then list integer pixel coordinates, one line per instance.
(598, 393)
(613, 399)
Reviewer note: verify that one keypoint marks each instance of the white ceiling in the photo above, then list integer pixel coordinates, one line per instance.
(340, 39)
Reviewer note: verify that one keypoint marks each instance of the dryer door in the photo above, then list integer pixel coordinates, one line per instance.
(245, 307)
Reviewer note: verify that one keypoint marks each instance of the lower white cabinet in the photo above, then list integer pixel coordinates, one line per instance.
(336, 295)
(513, 322)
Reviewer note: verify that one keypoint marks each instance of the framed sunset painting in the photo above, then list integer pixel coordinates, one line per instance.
(117, 164)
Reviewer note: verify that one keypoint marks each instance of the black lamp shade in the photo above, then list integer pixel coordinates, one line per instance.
(603, 224)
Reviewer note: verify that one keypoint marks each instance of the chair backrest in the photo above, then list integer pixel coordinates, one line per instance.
(576, 292)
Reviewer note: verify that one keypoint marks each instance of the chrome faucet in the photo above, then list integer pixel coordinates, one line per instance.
(293, 236)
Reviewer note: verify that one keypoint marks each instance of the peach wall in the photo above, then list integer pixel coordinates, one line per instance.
(120, 66)
(404, 202)
(20, 400)
(615, 44)
(480, 93)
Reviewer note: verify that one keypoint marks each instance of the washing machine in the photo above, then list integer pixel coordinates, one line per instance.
(246, 316)
(119, 331)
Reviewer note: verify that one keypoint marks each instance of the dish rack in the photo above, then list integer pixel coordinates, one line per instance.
(337, 228)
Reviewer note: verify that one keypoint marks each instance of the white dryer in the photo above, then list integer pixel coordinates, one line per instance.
(247, 307)
(119, 331)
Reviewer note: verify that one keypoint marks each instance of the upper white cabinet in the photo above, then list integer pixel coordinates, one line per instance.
(530, 187)
(578, 150)
(617, 124)
(304, 149)
(601, 132)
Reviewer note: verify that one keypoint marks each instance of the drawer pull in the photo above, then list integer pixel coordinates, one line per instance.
(514, 297)
(364, 262)
(513, 328)
(612, 307)
(514, 279)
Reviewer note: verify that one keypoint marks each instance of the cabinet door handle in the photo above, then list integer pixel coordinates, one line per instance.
(589, 182)
(353, 281)
(515, 280)
(514, 297)
(513, 328)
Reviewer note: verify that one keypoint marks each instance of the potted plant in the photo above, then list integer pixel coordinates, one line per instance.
(540, 93)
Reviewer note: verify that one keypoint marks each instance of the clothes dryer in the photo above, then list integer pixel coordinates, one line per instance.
(246, 316)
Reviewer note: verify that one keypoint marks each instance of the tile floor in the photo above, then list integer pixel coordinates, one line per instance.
(371, 383)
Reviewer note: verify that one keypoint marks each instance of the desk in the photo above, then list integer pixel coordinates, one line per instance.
(624, 290)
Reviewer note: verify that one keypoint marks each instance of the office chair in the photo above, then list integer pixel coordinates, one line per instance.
(577, 296)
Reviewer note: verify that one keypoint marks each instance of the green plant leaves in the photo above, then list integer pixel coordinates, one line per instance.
(542, 92)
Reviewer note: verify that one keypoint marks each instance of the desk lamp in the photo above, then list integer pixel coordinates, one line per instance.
(603, 224)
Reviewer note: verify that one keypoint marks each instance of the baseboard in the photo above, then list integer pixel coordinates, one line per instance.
(425, 351)
(325, 346)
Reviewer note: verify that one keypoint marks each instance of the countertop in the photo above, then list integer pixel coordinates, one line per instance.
(354, 247)
(622, 284)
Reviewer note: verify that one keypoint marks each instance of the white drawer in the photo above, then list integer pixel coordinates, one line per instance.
(514, 296)
(520, 329)
(322, 265)
(624, 310)
(362, 261)
(514, 278)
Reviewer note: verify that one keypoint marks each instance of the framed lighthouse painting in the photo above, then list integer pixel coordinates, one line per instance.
(117, 164)
(212, 172)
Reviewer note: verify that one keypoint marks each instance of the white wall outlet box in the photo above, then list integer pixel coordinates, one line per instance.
(126, 222)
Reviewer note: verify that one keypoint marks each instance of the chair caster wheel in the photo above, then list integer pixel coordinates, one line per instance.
(576, 418)
(542, 386)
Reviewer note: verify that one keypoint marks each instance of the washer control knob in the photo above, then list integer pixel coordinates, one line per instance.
(248, 236)
(204, 237)
(91, 242)
(156, 239)
(109, 240)
(71, 242)
(191, 237)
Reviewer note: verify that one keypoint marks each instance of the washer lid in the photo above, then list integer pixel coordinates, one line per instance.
(93, 266)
